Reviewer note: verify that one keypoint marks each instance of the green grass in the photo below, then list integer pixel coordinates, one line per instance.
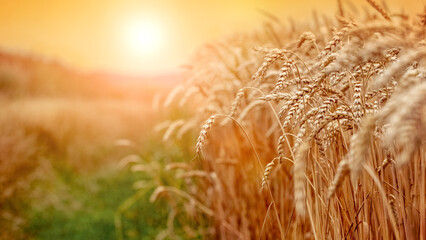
(90, 212)
(84, 205)
(97, 199)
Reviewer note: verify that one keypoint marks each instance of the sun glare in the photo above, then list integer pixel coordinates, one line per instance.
(142, 37)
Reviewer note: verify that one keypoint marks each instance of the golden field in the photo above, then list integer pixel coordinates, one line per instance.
(308, 129)
(317, 133)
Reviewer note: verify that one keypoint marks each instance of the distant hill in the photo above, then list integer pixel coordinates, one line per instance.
(31, 75)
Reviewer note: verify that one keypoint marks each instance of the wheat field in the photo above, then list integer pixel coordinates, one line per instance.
(317, 133)
(304, 128)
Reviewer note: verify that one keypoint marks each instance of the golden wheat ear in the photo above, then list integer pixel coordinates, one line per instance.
(299, 179)
(379, 9)
(203, 134)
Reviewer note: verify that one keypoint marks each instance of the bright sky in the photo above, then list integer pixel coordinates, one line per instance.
(140, 36)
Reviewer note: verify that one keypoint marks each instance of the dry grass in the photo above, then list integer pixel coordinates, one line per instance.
(313, 106)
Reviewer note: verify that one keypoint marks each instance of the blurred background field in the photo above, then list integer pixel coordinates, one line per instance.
(62, 136)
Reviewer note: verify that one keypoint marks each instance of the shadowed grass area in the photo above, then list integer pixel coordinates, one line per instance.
(90, 213)
(72, 205)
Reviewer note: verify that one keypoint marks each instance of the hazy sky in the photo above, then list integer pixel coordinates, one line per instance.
(139, 36)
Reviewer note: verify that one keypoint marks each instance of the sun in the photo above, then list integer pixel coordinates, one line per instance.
(142, 37)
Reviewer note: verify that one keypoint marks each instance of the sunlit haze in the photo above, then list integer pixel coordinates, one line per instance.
(140, 37)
